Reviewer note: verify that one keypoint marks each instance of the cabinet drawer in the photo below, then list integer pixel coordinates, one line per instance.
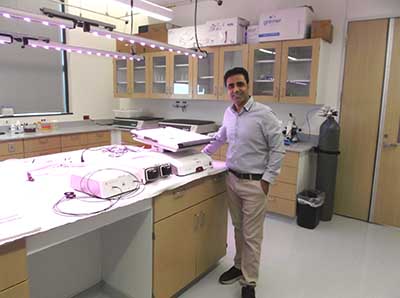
(10, 156)
(39, 144)
(15, 147)
(100, 137)
(79, 139)
(73, 148)
(291, 159)
(283, 190)
(187, 196)
(42, 152)
(126, 139)
(281, 206)
(19, 291)
(12, 264)
(288, 175)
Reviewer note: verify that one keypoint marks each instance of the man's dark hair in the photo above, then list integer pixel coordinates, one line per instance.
(236, 71)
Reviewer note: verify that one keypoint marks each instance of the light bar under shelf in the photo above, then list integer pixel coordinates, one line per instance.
(132, 39)
(28, 17)
(81, 50)
(5, 39)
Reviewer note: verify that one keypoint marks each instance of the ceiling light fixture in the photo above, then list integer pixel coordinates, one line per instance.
(80, 50)
(146, 42)
(149, 9)
(28, 17)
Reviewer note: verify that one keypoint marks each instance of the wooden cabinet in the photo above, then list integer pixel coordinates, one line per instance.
(139, 78)
(190, 230)
(159, 75)
(181, 76)
(42, 146)
(13, 149)
(122, 77)
(126, 139)
(297, 174)
(99, 138)
(13, 270)
(288, 71)
(73, 142)
(208, 74)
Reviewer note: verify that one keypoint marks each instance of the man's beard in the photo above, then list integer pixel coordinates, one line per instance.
(239, 99)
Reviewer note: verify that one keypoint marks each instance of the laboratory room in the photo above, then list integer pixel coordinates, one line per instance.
(199, 149)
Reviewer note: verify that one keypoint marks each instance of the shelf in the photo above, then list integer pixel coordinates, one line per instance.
(139, 67)
(181, 81)
(181, 65)
(264, 61)
(299, 82)
(159, 66)
(140, 82)
(122, 83)
(300, 60)
(159, 82)
(122, 68)
(206, 77)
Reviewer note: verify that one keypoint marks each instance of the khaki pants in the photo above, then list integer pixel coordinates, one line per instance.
(246, 202)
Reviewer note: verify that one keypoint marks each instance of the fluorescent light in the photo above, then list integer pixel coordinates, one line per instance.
(145, 41)
(149, 9)
(5, 39)
(28, 17)
(80, 50)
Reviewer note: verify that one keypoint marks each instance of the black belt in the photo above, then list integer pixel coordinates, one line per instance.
(246, 176)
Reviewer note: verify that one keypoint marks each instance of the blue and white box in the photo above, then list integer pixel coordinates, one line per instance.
(285, 24)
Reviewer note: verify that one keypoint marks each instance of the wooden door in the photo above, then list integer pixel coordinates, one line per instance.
(181, 76)
(230, 57)
(212, 232)
(205, 75)
(299, 71)
(387, 203)
(359, 116)
(264, 71)
(174, 253)
(159, 75)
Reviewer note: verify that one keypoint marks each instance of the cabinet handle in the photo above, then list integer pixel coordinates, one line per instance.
(11, 148)
(394, 145)
(196, 222)
(178, 194)
(202, 219)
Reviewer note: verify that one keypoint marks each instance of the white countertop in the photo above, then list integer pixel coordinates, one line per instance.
(34, 200)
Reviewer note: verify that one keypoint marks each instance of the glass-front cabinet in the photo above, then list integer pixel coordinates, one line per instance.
(159, 75)
(122, 86)
(205, 80)
(140, 77)
(181, 75)
(264, 72)
(230, 57)
(299, 71)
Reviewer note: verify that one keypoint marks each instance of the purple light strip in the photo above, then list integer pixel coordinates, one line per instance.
(146, 42)
(81, 50)
(28, 17)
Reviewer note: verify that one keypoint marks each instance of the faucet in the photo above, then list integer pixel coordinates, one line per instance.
(182, 105)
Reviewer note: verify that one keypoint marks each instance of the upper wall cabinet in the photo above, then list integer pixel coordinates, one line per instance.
(283, 71)
(288, 71)
(208, 77)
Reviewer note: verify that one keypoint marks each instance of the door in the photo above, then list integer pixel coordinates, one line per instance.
(181, 74)
(122, 87)
(159, 75)
(212, 232)
(174, 253)
(140, 71)
(387, 202)
(359, 116)
(205, 79)
(230, 57)
(264, 72)
(299, 72)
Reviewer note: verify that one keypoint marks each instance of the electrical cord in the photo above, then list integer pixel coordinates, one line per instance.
(68, 196)
(195, 29)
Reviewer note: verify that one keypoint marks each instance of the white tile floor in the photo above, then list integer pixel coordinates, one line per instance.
(343, 258)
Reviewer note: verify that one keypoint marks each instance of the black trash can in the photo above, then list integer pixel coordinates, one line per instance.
(309, 203)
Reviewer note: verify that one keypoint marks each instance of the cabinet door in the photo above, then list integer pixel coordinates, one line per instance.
(299, 71)
(19, 291)
(181, 74)
(159, 75)
(122, 85)
(264, 72)
(140, 79)
(174, 253)
(230, 57)
(212, 232)
(205, 79)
